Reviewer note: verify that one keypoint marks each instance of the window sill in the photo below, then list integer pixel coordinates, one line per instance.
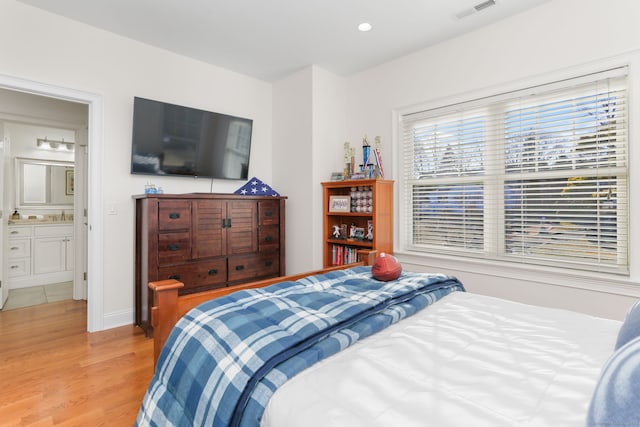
(599, 282)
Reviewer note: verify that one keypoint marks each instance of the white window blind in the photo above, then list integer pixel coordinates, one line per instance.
(534, 176)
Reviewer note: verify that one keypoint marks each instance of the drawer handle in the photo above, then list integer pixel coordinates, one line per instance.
(14, 248)
(239, 267)
(13, 267)
(268, 263)
(212, 272)
(174, 215)
(174, 247)
(14, 232)
(268, 213)
(175, 277)
(268, 238)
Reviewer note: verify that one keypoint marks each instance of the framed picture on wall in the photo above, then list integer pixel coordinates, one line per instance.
(68, 183)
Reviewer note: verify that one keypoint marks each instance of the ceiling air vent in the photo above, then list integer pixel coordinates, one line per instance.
(477, 8)
(484, 5)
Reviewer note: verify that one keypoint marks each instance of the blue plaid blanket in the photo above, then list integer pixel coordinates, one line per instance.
(226, 357)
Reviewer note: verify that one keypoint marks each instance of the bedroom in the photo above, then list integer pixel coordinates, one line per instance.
(118, 69)
(556, 36)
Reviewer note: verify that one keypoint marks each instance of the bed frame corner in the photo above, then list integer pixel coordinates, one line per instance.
(164, 311)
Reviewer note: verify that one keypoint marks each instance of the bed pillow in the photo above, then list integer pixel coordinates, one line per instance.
(630, 328)
(616, 396)
(386, 267)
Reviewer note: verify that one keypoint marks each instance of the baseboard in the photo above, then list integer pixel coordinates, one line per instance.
(118, 318)
(39, 279)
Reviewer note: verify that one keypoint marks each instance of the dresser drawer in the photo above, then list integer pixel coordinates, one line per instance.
(253, 266)
(19, 267)
(208, 273)
(269, 212)
(269, 238)
(19, 248)
(174, 247)
(199, 275)
(174, 215)
(19, 232)
(177, 272)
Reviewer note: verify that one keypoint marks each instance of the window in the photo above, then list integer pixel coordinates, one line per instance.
(535, 176)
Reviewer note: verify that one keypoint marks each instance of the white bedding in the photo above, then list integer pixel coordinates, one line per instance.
(468, 360)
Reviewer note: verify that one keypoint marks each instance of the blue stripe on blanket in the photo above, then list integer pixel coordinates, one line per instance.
(225, 358)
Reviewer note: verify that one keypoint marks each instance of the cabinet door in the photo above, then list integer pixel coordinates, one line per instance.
(49, 255)
(242, 235)
(209, 238)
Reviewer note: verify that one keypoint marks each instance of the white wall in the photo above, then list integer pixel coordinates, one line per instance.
(46, 48)
(292, 152)
(542, 43)
(309, 116)
(329, 125)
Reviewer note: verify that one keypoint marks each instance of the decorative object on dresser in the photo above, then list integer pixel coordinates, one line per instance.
(368, 217)
(206, 241)
(256, 187)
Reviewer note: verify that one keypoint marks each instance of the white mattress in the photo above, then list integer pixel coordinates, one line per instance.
(468, 360)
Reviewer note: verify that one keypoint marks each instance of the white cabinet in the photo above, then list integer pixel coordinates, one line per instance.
(49, 255)
(52, 249)
(40, 254)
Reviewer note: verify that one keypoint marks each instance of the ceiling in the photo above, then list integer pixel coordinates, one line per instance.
(269, 39)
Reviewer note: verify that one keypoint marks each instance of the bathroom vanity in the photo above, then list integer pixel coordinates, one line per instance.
(39, 252)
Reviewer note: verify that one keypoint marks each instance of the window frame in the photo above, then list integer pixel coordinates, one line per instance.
(463, 256)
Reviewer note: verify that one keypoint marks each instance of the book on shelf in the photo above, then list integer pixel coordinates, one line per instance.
(343, 255)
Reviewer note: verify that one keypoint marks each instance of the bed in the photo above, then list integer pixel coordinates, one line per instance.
(425, 353)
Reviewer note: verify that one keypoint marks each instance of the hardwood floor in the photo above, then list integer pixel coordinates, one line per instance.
(53, 372)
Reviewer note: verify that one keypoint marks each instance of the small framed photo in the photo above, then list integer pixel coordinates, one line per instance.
(339, 203)
(337, 176)
(69, 185)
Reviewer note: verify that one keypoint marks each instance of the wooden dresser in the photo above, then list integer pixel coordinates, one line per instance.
(207, 241)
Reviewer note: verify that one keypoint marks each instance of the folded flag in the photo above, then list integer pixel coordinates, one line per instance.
(255, 187)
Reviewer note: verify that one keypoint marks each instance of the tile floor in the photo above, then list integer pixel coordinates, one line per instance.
(34, 295)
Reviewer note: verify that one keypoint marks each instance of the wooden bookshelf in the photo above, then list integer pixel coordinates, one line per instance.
(363, 212)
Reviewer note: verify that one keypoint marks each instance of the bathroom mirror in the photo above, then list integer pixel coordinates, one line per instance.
(44, 183)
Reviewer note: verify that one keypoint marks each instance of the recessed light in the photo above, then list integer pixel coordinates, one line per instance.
(364, 27)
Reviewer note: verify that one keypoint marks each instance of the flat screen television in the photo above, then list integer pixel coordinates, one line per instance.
(172, 140)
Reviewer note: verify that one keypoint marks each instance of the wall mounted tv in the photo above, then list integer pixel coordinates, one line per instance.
(172, 140)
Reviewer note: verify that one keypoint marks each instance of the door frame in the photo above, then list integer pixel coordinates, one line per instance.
(4, 286)
(95, 145)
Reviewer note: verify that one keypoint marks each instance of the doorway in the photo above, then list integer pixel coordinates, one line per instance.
(40, 191)
(91, 227)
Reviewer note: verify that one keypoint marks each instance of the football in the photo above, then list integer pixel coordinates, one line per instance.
(386, 267)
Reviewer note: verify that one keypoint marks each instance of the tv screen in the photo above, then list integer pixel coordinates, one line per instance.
(173, 140)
